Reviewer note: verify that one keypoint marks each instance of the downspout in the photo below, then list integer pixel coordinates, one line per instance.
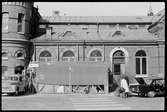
(158, 59)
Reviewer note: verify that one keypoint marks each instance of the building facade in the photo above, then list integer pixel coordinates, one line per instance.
(17, 30)
(94, 39)
(123, 43)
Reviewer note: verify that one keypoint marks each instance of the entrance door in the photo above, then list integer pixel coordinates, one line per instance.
(117, 69)
(118, 63)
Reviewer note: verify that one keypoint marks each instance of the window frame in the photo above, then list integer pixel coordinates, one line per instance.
(95, 58)
(6, 57)
(6, 21)
(20, 57)
(141, 58)
(20, 23)
(68, 59)
(47, 59)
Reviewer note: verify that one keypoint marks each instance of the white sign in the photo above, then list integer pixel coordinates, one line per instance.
(33, 65)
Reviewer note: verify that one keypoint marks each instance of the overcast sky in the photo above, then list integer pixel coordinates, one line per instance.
(99, 8)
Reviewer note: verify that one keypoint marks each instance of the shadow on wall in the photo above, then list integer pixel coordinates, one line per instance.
(36, 31)
(113, 86)
(31, 51)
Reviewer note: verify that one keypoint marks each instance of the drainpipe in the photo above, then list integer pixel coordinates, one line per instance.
(158, 59)
(84, 50)
(58, 51)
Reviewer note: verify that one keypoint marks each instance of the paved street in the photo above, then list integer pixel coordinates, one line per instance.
(80, 102)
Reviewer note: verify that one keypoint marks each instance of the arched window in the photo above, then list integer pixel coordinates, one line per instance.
(141, 63)
(95, 56)
(45, 56)
(118, 54)
(68, 56)
(20, 54)
(4, 56)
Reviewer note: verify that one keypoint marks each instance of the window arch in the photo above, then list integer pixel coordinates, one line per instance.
(140, 53)
(119, 57)
(95, 55)
(118, 54)
(68, 56)
(45, 56)
(4, 55)
(141, 62)
(19, 54)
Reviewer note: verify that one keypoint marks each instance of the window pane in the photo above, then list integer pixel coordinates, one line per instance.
(20, 55)
(48, 59)
(5, 17)
(117, 69)
(64, 59)
(119, 60)
(140, 53)
(99, 59)
(92, 59)
(42, 59)
(143, 65)
(95, 53)
(45, 54)
(68, 54)
(137, 65)
(71, 59)
(20, 22)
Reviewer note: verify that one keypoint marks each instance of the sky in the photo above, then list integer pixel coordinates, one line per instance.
(98, 8)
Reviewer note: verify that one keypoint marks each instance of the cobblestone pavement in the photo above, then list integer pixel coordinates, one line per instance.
(80, 102)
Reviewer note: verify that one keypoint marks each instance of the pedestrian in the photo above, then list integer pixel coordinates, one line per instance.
(124, 87)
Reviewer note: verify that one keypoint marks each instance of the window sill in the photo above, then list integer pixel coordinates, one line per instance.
(20, 33)
(146, 75)
(4, 59)
(20, 58)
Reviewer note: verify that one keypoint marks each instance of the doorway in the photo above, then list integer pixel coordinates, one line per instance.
(119, 59)
(118, 67)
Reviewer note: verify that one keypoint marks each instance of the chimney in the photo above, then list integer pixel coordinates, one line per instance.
(150, 11)
(56, 13)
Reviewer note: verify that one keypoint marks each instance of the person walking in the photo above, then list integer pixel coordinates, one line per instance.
(125, 87)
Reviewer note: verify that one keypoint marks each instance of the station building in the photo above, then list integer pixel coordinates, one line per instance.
(132, 45)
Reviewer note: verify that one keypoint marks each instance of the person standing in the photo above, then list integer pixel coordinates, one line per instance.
(125, 86)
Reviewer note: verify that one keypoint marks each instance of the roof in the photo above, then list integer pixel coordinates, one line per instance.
(159, 17)
(96, 19)
(161, 12)
(142, 34)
